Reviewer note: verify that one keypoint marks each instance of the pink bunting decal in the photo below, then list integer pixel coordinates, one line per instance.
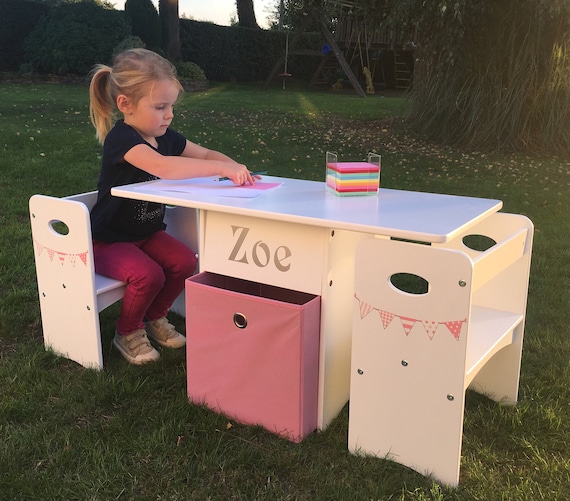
(430, 326)
(407, 323)
(386, 317)
(62, 256)
(455, 327)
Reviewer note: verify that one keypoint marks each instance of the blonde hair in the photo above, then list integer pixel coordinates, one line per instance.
(132, 73)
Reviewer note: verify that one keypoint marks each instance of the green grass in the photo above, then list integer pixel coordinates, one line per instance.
(129, 432)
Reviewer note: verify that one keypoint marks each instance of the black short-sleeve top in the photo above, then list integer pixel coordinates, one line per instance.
(115, 219)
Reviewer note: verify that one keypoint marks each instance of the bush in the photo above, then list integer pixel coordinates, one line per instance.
(74, 37)
(190, 71)
(128, 43)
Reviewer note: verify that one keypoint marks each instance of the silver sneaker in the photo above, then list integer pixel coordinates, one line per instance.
(135, 347)
(164, 333)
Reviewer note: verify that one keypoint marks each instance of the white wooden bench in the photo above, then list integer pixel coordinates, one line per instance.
(71, 294)
(415, 352)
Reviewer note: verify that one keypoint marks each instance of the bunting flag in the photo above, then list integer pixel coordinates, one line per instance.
(454, 327)
(62, 257)
(430, 326)
(386, 317)
(407, 323)
(83, 257)
(365, 309)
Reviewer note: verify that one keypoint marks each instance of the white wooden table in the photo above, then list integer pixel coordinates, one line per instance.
(301, 237)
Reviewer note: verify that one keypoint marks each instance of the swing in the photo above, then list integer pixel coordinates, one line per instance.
(285, 74)
(368, 75)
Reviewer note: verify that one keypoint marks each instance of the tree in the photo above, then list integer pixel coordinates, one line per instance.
(246, 14)
(145, 22)
(291, 15)
(494, 75)
(170, 24)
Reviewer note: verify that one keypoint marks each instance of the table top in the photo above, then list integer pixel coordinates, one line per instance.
(427, 217)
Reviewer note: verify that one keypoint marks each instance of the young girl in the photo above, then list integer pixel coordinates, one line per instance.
(129, 238)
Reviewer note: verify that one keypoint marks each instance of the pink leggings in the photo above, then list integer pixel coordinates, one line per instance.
(154, 269)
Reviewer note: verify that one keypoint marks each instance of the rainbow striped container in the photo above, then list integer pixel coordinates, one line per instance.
(353, 178)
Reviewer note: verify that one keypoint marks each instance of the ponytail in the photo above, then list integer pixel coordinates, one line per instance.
(101, 105)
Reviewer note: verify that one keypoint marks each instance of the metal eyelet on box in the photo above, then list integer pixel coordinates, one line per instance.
(240, 320)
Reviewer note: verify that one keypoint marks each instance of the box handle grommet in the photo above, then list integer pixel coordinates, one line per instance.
(240, 320)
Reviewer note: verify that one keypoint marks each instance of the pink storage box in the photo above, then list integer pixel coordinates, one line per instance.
(253, 352)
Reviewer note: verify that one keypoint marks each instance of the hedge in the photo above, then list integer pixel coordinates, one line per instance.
(71, 38)
(229, 53)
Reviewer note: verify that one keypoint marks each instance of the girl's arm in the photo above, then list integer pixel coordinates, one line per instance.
(194, 150)
(195, 161)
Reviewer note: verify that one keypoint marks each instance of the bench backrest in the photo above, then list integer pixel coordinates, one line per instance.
(67, 285)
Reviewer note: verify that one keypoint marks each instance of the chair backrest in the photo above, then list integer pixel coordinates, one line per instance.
(409, 352)
(63, 251)
(88, 199)
(61, 231)
(387, 273)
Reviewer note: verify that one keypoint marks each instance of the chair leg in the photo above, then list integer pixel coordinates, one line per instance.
(499, 378)
(73, 332)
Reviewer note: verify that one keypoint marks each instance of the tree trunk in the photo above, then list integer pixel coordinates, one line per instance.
(170, 23)
(246, 14)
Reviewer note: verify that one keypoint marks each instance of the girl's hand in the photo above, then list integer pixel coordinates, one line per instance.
(239, 174)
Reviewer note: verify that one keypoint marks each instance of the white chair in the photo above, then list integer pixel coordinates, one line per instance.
(71, 294)
(415, 352)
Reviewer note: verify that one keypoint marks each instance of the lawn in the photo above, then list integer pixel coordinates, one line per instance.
(129, 432)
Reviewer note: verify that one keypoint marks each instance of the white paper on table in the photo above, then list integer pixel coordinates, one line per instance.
(211, 187)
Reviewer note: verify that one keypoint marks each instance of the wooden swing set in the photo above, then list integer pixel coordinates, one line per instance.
(351, 32)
